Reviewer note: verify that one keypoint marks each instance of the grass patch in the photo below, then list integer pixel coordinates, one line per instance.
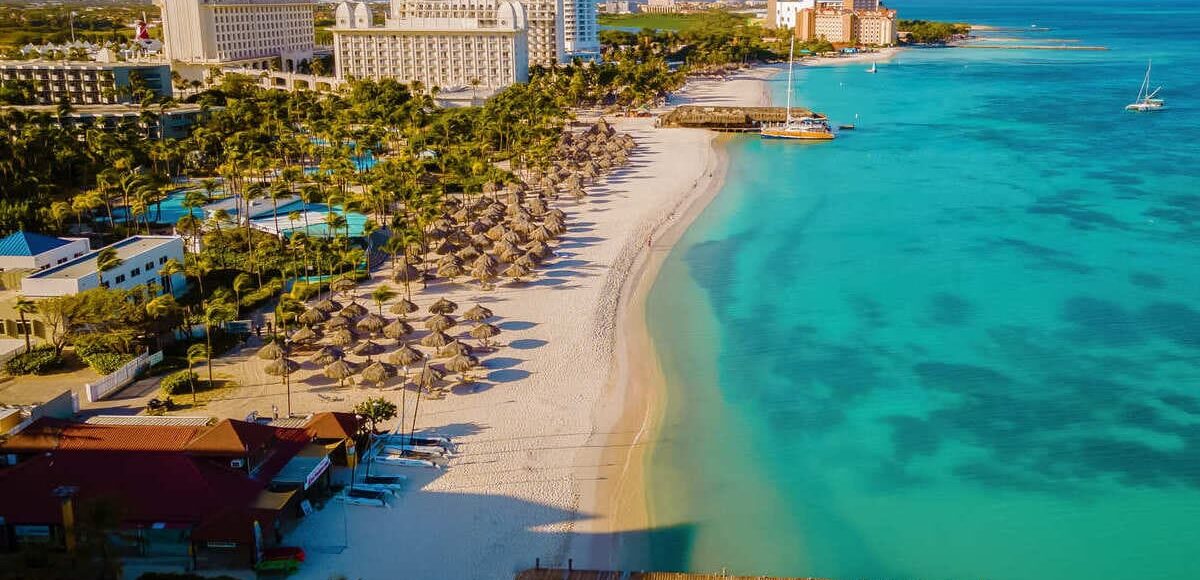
(675, 22)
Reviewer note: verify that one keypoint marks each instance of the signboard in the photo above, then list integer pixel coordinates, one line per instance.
(156, 358)
(32, 531)
(316, 472)
(306, 507)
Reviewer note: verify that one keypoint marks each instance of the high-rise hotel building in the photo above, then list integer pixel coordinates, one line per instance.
(858, 22)
(545, 17)
(581, 32)
(246, 33)
(470, 43)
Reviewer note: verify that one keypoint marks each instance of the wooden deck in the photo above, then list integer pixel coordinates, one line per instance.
(734, 119)
(562, 574)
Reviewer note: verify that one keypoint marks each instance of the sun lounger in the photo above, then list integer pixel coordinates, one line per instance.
(386, 479)
(403, 461)
(362, 497)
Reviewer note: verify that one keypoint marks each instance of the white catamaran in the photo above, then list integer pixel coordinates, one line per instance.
(1146, 100)
(812, 128)
(873, 68)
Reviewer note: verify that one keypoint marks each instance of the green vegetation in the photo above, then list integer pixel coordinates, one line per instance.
(259, 145)
(107, 363)
(38, 361)
(376, 410)
(184, 381)
(930, 32)
(22, 23)
(672, 22)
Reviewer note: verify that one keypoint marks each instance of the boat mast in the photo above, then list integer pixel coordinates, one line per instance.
(791, 56)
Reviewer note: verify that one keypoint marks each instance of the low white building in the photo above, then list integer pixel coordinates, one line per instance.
(141, 259)
(30, 251)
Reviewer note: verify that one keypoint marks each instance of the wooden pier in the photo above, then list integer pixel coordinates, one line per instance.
(567, 574)
(732, 119)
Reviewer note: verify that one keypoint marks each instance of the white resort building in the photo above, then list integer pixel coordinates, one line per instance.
(478, 44)
(141, 259)
(239, 33)
(543, 38)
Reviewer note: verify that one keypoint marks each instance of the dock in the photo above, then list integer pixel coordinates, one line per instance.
(569, 574)
(728, 119)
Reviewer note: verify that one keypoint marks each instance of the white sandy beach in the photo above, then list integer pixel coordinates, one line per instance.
(881, 55)
(549, 444)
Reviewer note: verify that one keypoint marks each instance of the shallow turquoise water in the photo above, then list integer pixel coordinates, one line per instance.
(962, 341)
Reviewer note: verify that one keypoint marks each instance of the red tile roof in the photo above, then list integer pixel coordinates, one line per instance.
(232, 437)
(330, 425)
(147, 488)
(48, 434)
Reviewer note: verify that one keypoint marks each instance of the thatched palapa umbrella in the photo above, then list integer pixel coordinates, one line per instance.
(327, 306)
(436, 339)
(443, 306)
(516, 272)
(371, 323)
(281, 366)
(461, 364)
(453, 349)
(270, 351)
(478, 313)
(429, 378)
(313, 316)
(326, 355)
(484, 332)
(397, 330)
(339, 370)
(366, 348)
(342, 337)
(526, 261)
(403, 308)
(450, 271)
(343, 285)
(305, 335)
(377, 373)
(406, 356)
(440, 322)
(353, 310)
(407, 273)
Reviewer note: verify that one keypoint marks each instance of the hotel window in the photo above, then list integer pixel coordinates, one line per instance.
(120, 278)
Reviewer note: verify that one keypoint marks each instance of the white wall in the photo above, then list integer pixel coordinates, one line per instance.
(59, 255)
(785, 12)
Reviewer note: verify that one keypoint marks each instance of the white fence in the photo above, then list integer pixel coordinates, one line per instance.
(123, 376)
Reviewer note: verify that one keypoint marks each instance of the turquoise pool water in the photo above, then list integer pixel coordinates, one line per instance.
(962, 341)
(316, 219)
(167, 212)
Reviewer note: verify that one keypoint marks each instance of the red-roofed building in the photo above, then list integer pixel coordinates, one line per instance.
(211, 496)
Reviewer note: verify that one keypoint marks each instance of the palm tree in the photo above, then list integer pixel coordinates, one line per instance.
(241, 283)
(196, 354)
(25, 306)
(381, 295)
(168, 270)
(214, 313)
(106, 260)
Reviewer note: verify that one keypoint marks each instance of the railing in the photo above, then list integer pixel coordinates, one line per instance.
(112, 383)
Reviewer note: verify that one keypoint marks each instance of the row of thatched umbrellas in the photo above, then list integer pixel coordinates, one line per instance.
(505, 235)
(337, 327)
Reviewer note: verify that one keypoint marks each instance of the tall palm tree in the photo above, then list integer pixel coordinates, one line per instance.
(196, 354)
(25, 306)
(168, 270)
(241, 283)
(381, 295)
(106, 260)
(215, 313)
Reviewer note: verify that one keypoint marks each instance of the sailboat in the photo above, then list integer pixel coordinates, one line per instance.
(813, 128)
(1146, 100)
(873, 69)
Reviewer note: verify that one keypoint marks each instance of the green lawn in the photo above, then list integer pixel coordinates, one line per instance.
(656, 21)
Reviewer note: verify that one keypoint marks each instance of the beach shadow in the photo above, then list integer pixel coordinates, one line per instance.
(470, 388)
(501, 362)
(548, 282)
(516, 325)
(508, 375)
(527, 343)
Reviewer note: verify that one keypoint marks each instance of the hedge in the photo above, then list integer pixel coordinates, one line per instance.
(38, 361)
(179, 383)
(107, 363)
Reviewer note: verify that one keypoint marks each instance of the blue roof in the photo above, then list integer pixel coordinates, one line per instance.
(29, 244)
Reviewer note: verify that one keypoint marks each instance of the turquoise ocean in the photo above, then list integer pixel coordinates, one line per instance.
(961, 341)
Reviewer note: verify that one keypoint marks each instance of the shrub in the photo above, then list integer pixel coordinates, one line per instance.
(107, 363)
(97, 343)
(304, 290)
(253, 299)
(179, 383)
(38, 361)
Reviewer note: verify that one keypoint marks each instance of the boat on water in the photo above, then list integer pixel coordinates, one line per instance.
(1147, 100)
(811, 128)
(845, 127)
(873, 69)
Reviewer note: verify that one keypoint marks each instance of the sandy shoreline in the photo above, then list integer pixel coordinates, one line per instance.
(883, 55)
(637, 376)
